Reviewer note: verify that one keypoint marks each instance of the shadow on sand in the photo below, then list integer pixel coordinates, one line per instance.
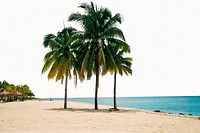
(92, 110)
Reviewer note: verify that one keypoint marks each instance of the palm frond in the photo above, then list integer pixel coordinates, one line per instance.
(47, 39)
(126, 70)
(90, 64)
(102, 57)
(75, 77)
(62, 70)
(114, 32)
(112, 22)
(85, 6)
(49, 55)
(110, 61)
(53, 71)
(75, 17)
(47, 65)
(49, 61)
(84, 62)
(120, 44)
(128, 61)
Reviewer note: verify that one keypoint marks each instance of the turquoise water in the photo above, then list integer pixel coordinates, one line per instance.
(168, 104)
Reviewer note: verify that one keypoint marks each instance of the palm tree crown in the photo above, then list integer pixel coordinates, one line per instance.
(60, 60)
(99, 28)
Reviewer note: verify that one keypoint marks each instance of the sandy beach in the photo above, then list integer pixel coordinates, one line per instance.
(50, 117)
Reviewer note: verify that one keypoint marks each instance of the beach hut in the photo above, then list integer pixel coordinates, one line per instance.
(1, 97)
(7, 95)
(21, 94)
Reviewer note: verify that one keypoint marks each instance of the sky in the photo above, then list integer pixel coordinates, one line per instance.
(164, 36)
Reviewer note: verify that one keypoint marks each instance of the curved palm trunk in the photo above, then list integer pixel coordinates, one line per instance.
(65, 100)
(115, 101)
(97, 82)
(96, 91)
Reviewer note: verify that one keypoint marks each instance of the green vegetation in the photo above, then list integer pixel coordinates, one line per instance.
(61, 59)
(98, 49)
(11, 92)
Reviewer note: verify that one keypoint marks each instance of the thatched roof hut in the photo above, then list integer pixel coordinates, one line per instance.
(7, 93)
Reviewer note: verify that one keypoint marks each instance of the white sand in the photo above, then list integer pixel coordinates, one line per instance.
(49, 117)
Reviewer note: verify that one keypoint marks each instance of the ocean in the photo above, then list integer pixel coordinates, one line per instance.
(169, 104)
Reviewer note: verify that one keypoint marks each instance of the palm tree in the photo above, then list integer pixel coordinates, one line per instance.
(123, 65)
(60, 60)
(99, 26)
(116, 63)
(4, 84)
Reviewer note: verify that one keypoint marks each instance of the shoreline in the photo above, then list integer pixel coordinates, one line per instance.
(181, 113)
(146, 111)
(49, 116)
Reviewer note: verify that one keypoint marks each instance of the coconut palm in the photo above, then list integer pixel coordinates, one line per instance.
(116, 63)
(99, 26)
(123, 65)
(60, 60)
(4, 84)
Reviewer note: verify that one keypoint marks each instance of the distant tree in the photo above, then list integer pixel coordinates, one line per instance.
(14, 90)
(4, 84)
(31, 94)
